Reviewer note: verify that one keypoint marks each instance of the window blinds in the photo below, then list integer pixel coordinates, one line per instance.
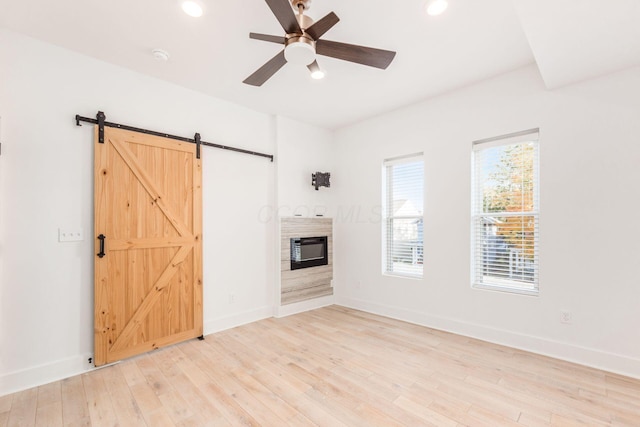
(403, 195)
(505, 205)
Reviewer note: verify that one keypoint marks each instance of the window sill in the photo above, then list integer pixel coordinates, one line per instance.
(402, 276)
(505, 289)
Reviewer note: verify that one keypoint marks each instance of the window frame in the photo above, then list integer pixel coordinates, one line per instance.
(478, 213)
(388, 216)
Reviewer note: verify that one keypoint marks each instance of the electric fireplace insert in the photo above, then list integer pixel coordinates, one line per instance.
(309, 252)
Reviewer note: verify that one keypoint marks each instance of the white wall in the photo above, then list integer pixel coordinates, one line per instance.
(46, 287)
(589, 244)
(590, 198)
(302, 150)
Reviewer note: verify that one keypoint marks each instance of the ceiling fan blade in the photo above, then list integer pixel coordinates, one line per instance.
(284, 14)
(267, 38)
(322, 26)
(265, 72)
(359, 54)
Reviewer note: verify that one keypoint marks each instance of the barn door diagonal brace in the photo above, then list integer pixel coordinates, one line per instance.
(100, 121)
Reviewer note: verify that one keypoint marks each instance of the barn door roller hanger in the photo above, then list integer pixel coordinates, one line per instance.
(102, 123)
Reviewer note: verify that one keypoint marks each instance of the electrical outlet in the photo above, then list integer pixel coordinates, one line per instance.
(232, 298)
(566, 316)
(69, 235)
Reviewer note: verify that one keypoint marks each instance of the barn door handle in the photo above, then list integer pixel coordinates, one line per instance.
(101, 238)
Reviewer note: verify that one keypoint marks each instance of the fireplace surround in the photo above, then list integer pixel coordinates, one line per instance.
(301, 284)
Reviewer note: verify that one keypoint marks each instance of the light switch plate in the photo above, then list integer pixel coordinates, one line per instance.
(70, 235)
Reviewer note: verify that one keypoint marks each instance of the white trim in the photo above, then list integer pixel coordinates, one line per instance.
(506, 289)
(238, 319)
(46, 373)
(511, 138)
(598, 359)
(79, 364)
(403, 275)
(611, 362)
(302, 306)
(388, 203)
(407, 158)
(478, 210)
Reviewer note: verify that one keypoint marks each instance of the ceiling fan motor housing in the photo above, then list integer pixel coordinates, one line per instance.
(304, 21)
(300, 48)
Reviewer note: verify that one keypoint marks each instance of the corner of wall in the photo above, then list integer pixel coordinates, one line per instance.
(237, 319)
(300, 307)
(597, 359)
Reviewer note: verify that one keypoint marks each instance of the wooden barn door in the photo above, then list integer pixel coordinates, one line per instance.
(148, 221)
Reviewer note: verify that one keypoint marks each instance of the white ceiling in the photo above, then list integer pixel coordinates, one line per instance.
(570, 40)
(574, 40)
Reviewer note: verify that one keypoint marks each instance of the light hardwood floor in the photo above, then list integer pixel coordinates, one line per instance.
(332, 367)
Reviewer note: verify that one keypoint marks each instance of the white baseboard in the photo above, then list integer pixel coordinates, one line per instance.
(594, 358)
(237, 319)
(65, 368)
(302, 306)
(44, 374)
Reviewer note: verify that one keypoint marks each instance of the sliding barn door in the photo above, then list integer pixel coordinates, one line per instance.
(148, 226)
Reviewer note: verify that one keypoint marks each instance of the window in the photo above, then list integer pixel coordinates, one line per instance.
(403, 196)
(505, 205)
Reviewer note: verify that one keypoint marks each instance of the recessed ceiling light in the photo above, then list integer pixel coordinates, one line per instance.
(192, 8)
(436, 7)
(160, 55)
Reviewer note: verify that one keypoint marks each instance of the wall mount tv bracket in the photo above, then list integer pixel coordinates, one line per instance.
(320, 179)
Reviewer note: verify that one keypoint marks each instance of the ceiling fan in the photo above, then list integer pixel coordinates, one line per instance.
(302, 42)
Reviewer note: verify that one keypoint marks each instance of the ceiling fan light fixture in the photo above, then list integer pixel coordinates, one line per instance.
(436, 7)
(300, 52)
(317, 74)
(301, 37)
(192, 8)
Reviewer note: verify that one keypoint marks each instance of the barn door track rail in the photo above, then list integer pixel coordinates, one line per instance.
(102, 123)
